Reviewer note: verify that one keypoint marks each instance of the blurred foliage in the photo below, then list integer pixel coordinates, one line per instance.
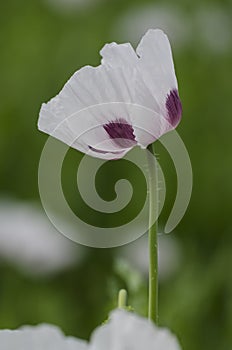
(40, 49)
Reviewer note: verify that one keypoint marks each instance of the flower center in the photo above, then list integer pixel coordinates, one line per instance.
(121, 133)
(174, 107)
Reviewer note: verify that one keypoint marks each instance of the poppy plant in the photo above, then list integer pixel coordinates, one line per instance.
(130, 99)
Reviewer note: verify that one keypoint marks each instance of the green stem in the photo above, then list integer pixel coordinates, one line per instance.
(153, 244)
(122, 299)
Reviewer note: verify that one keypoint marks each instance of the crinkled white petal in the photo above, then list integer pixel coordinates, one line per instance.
(146, 118)
(89, 99)
(155, 52)
(42, 337)
(157, 69)
(152, 59)
(92, 98)
(126, 331)
(118, 55)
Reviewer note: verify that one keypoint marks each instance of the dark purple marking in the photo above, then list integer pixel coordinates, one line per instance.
(174, 107)
(121, 133)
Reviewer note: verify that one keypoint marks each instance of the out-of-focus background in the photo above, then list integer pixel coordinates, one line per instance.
(46, 278)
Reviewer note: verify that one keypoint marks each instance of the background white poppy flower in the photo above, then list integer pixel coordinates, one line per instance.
(42, 337)
(169, 17)
(130, 99)
(29, 241)
(124, 331)
(127, 331)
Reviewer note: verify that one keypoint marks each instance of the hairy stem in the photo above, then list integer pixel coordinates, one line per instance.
(153, 244)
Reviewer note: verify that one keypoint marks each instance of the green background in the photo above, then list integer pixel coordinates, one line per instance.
(41, 47)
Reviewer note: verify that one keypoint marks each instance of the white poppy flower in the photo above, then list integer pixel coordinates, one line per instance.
(29, 240)
(124, 331)
(42, 337)
(127, 331)
(130, 99)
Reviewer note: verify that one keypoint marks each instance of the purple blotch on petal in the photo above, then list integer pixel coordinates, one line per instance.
(121, 132)
(174, 107)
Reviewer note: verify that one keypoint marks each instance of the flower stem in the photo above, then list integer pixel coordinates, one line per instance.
(153, 244)
(122, 299)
